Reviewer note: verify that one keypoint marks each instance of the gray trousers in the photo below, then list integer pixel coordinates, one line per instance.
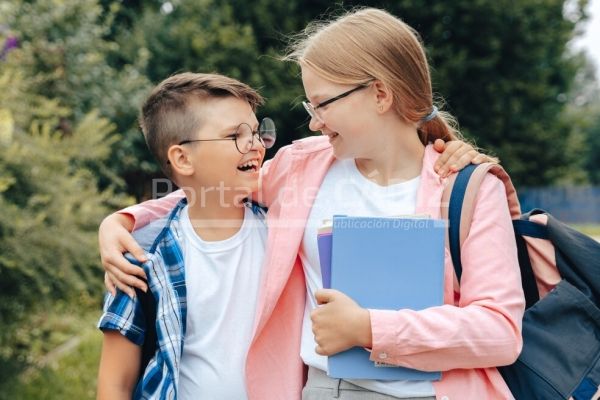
(321, 387)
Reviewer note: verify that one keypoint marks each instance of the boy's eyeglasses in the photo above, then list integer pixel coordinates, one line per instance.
(312, 110)
(244, 136)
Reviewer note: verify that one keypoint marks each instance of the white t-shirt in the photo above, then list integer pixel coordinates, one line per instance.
(346, 191)
(222, 281)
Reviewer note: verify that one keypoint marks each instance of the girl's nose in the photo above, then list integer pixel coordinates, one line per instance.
(315, 124)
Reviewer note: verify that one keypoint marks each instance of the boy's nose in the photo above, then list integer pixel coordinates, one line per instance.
(255, 143)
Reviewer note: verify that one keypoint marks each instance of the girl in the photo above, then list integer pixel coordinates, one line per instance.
(369, 93)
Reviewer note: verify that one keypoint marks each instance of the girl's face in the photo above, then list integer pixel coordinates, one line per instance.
(349, 121)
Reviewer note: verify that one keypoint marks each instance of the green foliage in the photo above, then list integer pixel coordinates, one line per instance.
(582, 116)
(69, 142)
(212, 36)
(506, 73)
(54, 147)
(592, 146)
(69, 372)
(502, 67)
(64, 52)
(51, 210)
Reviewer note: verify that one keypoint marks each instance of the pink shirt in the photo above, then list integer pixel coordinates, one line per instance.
(465, 338)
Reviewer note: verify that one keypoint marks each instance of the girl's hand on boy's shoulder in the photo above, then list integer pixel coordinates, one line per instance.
(339, 323)
(456, 155)
(114, 240)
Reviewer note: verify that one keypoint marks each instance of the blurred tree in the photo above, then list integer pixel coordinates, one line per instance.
(583, 116)
(202, 36)
(66, 54)
(592, 147)
(54, 146)
(506, 72)
(502, 66)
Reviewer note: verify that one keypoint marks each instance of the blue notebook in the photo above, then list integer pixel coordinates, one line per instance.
(390, 264)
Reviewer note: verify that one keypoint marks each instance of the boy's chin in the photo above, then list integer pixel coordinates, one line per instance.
(246, 191)
(249, 185)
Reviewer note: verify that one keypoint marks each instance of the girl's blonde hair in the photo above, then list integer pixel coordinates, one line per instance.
(372, 44)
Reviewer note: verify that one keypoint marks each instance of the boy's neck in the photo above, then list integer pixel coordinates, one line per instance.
(215, 220)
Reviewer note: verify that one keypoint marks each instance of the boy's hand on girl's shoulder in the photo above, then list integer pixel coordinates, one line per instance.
(456, 155)
(114, 239)
(339, 323)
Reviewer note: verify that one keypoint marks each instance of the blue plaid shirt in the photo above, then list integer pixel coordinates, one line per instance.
(166, 279)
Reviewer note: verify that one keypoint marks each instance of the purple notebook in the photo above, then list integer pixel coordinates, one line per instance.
(324, 238)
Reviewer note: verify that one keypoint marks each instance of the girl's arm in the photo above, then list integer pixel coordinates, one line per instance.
(119, 367)
(114, 233)
(483, 330)
(144, 213)
(114, 238)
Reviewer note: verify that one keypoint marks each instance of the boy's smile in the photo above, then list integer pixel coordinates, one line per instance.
(219, 165)
(249, 166)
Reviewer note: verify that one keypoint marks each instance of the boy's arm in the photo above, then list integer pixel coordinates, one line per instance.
(119, 367)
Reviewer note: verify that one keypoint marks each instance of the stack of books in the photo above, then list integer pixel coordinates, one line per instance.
(386, 264)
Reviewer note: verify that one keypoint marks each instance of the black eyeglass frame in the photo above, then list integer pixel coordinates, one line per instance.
(260, 132)
(341, 96)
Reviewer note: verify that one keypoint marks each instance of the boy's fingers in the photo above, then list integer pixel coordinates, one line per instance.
(109, 285)
(464, 160)
(478, 159)
(454, 159)
(443, 157)
(453, 150)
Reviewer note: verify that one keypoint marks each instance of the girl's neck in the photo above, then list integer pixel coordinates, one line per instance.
(396, 157)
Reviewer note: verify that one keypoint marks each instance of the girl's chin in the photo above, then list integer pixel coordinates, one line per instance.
(341, 154)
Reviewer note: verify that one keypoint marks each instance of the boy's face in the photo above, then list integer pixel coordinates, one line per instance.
(218, 166)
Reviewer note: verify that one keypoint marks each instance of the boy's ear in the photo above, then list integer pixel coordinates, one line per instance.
(180, 160)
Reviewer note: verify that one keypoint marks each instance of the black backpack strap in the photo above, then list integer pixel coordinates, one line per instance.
(521, 227)
(454, 215)
(148, 304)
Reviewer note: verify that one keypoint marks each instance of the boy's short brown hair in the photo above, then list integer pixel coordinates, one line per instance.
(166, 117)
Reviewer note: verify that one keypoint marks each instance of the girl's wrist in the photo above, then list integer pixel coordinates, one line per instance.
(364, 333)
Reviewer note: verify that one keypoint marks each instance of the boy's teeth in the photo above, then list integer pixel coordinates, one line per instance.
(249, 164)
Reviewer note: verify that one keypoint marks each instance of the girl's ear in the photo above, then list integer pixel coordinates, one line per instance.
(383, 96)
(180, 160)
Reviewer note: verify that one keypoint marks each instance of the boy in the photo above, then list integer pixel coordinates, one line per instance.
(205, 255)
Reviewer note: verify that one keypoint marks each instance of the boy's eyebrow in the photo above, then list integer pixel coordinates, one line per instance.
(231, 128)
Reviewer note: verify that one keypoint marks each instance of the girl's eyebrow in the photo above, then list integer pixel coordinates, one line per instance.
(314, 97)
(318, 98)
